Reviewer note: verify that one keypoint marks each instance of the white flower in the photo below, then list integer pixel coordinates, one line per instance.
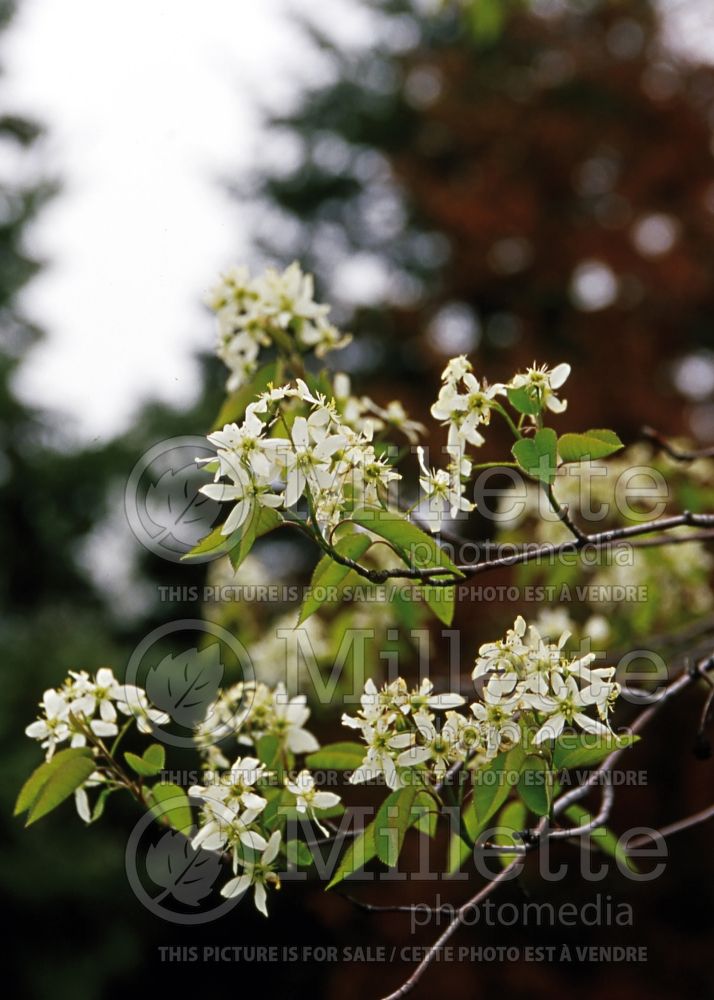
(236, 786)
(442, 485)
(434, 747)
(541, 383)
(424, 697)
(101, 693)
(308, 798)
(383, 745)
(307, 463)
(565, 706)
(132, 700)
(53, 727)
(456, 368)
(81, 799)
(289, 720)
(257, 873)
(224, 825)
(248, 491)
(495, 715)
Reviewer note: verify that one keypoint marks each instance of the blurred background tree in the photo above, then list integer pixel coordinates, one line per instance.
(527, 180)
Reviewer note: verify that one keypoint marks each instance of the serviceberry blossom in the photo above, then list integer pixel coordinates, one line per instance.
(541, 382)
(277, 460)
(70, 710)
(249, 710)
(253, 313)
(83, 712)
(308, 798)
(259, 873)
(390, 720)
(526, 684)
(464, 404)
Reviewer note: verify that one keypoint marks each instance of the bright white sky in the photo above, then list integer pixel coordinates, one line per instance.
(149, 105)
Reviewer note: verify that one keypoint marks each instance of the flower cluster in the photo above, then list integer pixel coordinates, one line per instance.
(85, 709)
(523, 673)
(254, 312)
(398, 727)
(250, 710)
(234, 796)
(528, 684)
(231, 808)
(275, 460)
(465, 405)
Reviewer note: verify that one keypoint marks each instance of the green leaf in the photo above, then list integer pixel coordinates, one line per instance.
(235, 545)
(425, 811)
(392, 822)
(524, 402)
(298, 853)
(538, 455)
(151, 763)
(328, 574)
(492, 784)
(457, 854)
(268, 750)
(235, 405)
(418, 550)
(61, 781)
(535, 785)
(170, 803)
(588, 445)
(98, 810)
(513, 817)
(587, 749)
(41, 775)
(260, 522)
(417, 809)
(603, 838)
(358, 854)
(337, 757)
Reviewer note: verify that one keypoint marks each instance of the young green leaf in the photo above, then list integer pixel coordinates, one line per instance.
(236, 404)
(513, 819)
(328, 574)
(298, 853)
(391, 823)
(493, 783)
(260, 522)
(151, 763)
(587, 749)
(588, 446)
(535, 785)
(358, 854)
(537, 456)
(41, 775)
(337, 757)
(170, 803)
(235, 545)
(65, 779)
(418, 550)
(268, 750)
(521, 400)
